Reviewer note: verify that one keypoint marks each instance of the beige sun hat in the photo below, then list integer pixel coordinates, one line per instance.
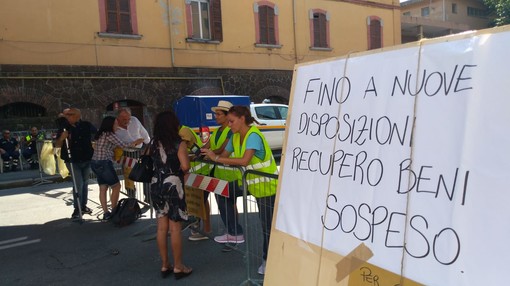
(222, 105)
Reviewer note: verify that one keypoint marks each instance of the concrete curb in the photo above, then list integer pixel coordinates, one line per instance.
(28, 182)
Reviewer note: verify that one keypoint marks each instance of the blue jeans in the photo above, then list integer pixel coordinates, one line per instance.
(266, 208)
(81, 172)
(228, 210)
(105, 172)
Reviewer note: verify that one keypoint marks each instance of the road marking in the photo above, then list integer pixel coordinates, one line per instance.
(13, 240)
(18, 243)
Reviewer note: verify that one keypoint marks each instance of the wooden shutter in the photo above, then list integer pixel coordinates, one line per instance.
(118, 17)
(267, 27)
(271, 35)
(217, 28)
(125, 17)
(375, 34)
(319, 30)
(111, 14)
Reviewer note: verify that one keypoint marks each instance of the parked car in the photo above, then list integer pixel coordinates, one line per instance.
(195, 111)
(272, 118)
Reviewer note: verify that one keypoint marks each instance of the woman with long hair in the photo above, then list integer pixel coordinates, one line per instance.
(171, 162)
(102, 164)
(247, 148)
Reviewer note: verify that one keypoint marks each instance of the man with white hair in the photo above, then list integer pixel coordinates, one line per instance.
(130, 129)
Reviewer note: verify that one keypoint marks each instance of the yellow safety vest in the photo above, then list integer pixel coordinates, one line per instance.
(222, 172)
(197, 167)
(223, 136)
(258, 186)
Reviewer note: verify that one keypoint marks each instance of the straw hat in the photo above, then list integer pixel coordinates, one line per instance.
(222, 105)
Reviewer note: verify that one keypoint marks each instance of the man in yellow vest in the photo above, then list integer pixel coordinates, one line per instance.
(30, 151)
(248, 149)
(217, 142)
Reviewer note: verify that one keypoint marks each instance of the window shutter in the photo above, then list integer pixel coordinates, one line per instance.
(319, 30)
(217, 28)
(270, 26)
(125, 17)
(267, 25)
(118, 17)
(263, 24)
(111, 14)
(375, 34)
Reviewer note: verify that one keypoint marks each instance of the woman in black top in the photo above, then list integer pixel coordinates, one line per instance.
(171, 162)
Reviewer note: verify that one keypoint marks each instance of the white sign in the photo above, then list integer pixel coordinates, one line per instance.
(408, 152)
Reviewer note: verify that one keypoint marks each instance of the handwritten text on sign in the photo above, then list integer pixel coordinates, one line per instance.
(380, 156)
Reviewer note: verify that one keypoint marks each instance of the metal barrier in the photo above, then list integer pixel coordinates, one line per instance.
(39, 145)
(254, 217)
(140, 191)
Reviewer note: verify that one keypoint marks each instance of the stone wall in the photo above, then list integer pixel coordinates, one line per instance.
(95, 89)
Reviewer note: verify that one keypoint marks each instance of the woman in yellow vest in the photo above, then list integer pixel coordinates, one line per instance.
(247, 148)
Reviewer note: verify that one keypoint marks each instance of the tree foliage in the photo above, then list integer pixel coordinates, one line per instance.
(500, 11)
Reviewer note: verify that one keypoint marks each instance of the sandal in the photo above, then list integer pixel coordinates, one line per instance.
(181, 273)
(167, 271)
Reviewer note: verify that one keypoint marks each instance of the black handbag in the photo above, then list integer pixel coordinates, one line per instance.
(143, 169)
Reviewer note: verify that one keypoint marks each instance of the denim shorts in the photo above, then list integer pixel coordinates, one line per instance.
(105, 172)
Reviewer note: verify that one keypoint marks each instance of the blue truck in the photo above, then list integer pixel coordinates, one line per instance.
(195, 111)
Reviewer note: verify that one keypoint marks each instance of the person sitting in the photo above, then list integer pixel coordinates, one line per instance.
(9, 150)
(30, 151)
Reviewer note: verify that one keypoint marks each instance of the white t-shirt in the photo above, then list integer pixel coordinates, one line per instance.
(134, 131)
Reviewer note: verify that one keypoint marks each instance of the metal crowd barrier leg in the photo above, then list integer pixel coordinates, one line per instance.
(39, 146)
(140, 190)
(257, 223)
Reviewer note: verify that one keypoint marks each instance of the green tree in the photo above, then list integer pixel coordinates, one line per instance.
(500, 11)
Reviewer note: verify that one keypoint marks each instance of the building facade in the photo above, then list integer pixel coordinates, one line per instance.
(99, 55)
(435, 18)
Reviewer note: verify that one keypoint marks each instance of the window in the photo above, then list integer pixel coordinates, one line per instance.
(319, 30)
(425, 11)
(200, 16)
(266, 23)
(475, 12)
(118, 17)
(271, 112)
(454, 8)
(204, 20)
(374, 32)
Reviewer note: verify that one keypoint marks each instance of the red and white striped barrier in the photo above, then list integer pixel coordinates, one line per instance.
(127, 161)
(207, 183)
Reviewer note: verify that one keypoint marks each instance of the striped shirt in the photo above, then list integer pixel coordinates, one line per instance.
(105, 145)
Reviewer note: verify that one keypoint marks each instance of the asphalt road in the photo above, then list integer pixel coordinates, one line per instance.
(40, 245)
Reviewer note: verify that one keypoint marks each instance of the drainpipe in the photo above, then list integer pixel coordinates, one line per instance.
(168, 10)
(444, 10)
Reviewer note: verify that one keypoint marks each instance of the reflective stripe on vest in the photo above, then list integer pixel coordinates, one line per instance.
(258, 186)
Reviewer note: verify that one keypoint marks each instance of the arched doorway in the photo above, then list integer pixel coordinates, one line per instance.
(20, 116)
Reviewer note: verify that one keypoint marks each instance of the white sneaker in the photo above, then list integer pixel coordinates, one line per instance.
(227, 238)
(262, 268)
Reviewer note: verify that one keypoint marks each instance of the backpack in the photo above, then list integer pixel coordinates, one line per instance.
(126, 212)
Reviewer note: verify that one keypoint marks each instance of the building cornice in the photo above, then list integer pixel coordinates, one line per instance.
(370, 4)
